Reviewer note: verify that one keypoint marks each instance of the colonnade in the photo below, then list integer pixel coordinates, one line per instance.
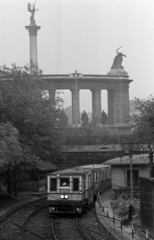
(116, 83)
(118, 105)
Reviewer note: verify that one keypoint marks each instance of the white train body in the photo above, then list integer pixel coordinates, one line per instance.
(70, 190)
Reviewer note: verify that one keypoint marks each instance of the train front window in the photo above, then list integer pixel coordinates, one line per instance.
(53, 184)
(75, 184)
(64, 182)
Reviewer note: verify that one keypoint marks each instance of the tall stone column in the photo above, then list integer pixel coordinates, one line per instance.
(121, 105)
(115, 106)
(110, 106)
(33, 28)
(75, 107)
(124, 104)
(96, 104)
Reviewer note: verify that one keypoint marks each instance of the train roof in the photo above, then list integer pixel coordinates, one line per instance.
(73, 171)
(95, 166)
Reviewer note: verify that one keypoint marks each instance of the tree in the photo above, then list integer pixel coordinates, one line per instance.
(11, 154)
(145, 120)
(40, 120)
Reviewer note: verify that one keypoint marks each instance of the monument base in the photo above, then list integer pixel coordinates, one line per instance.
(118, 71)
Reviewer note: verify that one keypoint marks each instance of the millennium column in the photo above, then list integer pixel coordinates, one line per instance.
(96, 104)
(33, 29)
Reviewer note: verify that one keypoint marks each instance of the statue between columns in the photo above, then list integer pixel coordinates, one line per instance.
(31, 8)
(84, 118)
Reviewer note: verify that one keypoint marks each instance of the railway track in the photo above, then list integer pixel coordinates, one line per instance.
(29, 223)
(66, 228)
(92, 228)
(83, 228)
(13, 223)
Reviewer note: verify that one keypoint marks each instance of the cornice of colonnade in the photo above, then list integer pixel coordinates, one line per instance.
(65, 81)
(87, 77)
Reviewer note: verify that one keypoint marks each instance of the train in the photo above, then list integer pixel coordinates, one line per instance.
(75, 190)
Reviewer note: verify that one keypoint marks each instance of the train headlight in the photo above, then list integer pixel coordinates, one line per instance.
(64, 196)
(79, 210)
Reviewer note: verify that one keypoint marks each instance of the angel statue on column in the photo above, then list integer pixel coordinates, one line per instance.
(31, 8)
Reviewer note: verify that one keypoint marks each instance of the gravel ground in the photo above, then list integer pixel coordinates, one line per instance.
(120, 207)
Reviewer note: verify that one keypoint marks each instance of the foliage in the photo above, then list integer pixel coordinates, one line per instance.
(10, 149)
(145, 120)
(38, 117)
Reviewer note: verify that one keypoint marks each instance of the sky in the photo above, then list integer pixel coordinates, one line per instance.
(83, 35)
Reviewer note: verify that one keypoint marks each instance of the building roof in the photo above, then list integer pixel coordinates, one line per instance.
(45, 166)
(94, 166)
(142, 159)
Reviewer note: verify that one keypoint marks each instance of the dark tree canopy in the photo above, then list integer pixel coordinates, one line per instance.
(39, 120)
(145, 120)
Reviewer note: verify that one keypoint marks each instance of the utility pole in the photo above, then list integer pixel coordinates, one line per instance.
(131, 176)
(151, 163)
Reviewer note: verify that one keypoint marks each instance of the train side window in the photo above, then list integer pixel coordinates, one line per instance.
(89, 181)
(94, 177)
(97, 177)
(75, 184)
(64, 182)
(53, 184)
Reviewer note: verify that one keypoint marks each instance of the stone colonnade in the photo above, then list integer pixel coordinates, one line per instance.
(118, 105)
(118, 95)
(116, 83)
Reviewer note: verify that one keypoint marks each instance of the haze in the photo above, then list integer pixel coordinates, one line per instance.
(83, 35)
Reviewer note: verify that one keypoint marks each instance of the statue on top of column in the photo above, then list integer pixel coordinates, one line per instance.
(117, 68)
(31, 8)
(117, 63)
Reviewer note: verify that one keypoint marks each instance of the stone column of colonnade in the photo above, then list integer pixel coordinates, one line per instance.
(110, 107)
(120, 100)
(75, 107)
(96, 104)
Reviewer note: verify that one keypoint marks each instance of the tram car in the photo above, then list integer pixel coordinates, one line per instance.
(70, 190)
(102, 177)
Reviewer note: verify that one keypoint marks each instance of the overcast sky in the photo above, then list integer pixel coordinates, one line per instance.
(83, 35)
